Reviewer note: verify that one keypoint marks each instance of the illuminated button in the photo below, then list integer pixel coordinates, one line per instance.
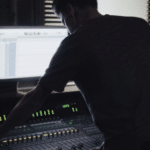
(76, 130)
(67, 132)
(10, 141)
(50, 135)
(72, 131)
(34, 138)
(59, 133)
(20, 140)
(29, 139)
(45, 136)
(63, 133)
(24, 139)
(55, 134)
(15, 141)
(5, 142)
(38, 137)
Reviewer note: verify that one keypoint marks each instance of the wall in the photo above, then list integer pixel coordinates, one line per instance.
(133, 8)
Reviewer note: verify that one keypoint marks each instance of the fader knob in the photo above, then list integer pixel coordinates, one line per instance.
(59, 134)
(34, 138)
(15, 141)
(29, 138)
(55, 134)
(50, 135)
(20, 139)
(45, 136)
(63, 133)
(72, 131)
(5, 142)
(39, 137)
(76, 130)
(24, 139)
(10, 141)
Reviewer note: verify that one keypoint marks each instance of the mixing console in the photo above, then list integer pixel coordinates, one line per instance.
(62, 123)
(78, 133)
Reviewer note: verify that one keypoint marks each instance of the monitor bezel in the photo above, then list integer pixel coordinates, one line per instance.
(46, 27)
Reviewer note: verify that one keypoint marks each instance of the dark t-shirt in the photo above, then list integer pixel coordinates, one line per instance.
(108, 58)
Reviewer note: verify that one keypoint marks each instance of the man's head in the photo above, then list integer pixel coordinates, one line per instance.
(74, 13)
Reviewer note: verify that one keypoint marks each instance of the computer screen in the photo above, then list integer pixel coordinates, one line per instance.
(27, 52)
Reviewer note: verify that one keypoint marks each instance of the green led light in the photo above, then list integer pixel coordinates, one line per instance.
(45, 113)
(33, 115)
(67, 105)
(37, 114)
(76, 109)
(4, 117)
(52, 112)
(70, 122)
(48, 111)
(41, 113)
(73, 109)
(0, 118)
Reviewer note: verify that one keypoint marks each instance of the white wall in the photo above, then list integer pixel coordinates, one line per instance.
(133, 8)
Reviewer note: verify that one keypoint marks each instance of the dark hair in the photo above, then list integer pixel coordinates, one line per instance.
(60, 6)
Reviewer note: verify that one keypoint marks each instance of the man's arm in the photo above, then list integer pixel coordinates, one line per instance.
(23, 110)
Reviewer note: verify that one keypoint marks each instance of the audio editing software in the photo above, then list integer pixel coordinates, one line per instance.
(58, 125)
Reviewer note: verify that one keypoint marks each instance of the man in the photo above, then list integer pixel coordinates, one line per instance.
(108, 57)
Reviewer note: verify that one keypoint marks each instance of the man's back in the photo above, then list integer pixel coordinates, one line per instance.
(115, 81)
(108, 58)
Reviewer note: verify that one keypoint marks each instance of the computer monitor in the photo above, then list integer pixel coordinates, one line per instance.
(26, 52)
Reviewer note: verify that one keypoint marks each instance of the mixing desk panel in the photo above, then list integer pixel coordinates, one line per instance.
(63, 126)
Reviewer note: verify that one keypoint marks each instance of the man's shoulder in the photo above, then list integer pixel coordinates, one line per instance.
(135, 20)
